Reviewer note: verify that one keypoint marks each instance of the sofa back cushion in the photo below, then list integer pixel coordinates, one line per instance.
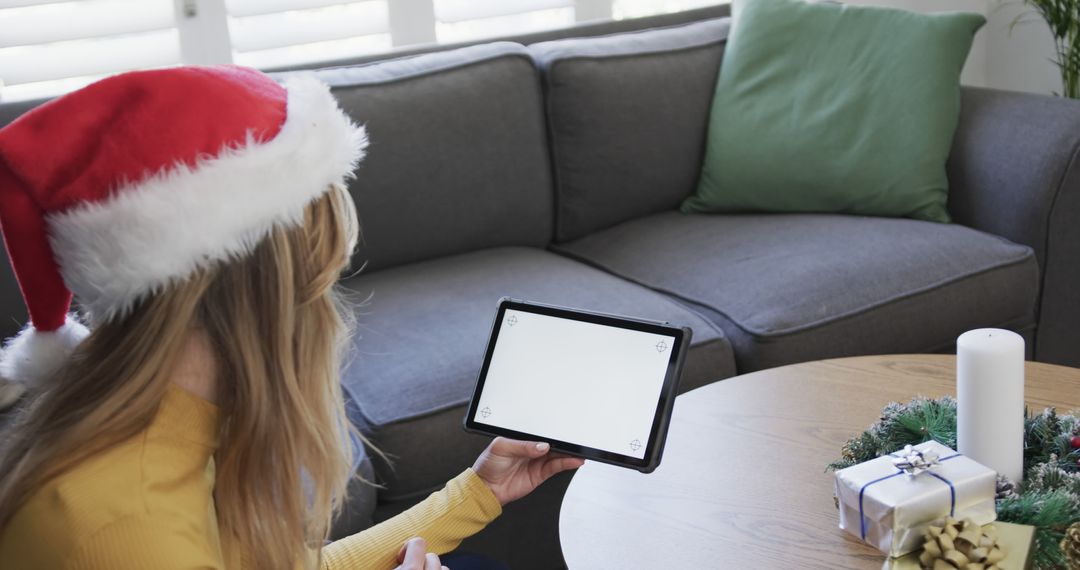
(827, 107)
(458, 156)
(12, 310)
(627, 117)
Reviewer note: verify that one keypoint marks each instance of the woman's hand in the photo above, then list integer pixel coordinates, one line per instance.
(513, 468)
(414, 555)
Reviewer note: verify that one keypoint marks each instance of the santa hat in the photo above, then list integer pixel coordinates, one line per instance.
(116, 190)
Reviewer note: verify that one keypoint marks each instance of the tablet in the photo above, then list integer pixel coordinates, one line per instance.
(592, 385)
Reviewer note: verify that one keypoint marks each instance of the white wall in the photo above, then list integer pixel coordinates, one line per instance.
(1019, 60)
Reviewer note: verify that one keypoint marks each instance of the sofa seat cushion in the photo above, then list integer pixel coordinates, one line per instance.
(421, 338)
(358, 512)
(795, 287)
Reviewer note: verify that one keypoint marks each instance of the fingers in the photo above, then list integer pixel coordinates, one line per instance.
(517, 448)
(413, 555)
(559, 464)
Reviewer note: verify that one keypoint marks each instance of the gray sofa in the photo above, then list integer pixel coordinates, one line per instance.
(553, 172)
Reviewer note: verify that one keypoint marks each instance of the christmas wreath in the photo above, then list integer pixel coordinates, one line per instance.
(1049, 496)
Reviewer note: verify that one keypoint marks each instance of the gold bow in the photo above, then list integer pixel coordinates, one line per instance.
(960, 545)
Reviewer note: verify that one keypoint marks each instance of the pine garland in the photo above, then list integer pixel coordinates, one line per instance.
(1051, 513)
(913, 423)
(1070, 546)
(1048, 498)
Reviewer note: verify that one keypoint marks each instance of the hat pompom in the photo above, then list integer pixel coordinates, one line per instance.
(34, 355)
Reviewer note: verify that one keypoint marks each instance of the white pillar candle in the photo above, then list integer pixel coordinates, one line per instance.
(990, 399)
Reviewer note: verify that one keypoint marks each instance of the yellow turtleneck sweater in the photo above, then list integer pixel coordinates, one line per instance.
(148, 503)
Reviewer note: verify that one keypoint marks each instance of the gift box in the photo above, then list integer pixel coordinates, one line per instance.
(888, 502)
(1017, 540)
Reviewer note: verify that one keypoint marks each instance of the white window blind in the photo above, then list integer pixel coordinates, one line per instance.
(622, 9)
(461, 20)
(49, 46)
(273, 33)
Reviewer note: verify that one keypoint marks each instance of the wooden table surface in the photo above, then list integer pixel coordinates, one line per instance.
(743, 483)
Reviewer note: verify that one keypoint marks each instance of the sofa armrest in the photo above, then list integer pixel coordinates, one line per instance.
(1014, 172)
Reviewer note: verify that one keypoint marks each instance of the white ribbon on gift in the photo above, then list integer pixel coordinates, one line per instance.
(897, 506)
(915, 462)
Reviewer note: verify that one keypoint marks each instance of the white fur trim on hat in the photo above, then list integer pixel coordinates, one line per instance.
(164, 228)
(33, 356)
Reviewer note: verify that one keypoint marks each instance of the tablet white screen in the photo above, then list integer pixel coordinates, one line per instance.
(592, 385)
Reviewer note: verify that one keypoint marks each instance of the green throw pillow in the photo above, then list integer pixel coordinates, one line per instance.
(834, 108)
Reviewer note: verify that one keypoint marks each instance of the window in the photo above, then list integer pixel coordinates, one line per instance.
(48, 47)
(622, 9)
(276, 33)
(461, 20)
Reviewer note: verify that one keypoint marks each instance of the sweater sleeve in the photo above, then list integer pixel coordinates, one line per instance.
(464, 507)
(138, 542)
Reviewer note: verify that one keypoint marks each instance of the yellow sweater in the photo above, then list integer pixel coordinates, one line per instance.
(148, 503)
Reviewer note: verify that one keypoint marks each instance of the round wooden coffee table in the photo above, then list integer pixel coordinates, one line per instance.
(743, 483)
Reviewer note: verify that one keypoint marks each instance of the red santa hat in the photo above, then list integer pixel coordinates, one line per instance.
(116, 190)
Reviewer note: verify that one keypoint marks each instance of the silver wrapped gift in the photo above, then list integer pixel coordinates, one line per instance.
(888, 502)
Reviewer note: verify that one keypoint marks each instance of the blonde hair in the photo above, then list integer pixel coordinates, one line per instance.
(278, 330)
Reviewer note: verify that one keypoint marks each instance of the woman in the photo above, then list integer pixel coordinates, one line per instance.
(198, 216)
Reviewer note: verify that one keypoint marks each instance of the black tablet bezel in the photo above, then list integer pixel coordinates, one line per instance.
(661, 418)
